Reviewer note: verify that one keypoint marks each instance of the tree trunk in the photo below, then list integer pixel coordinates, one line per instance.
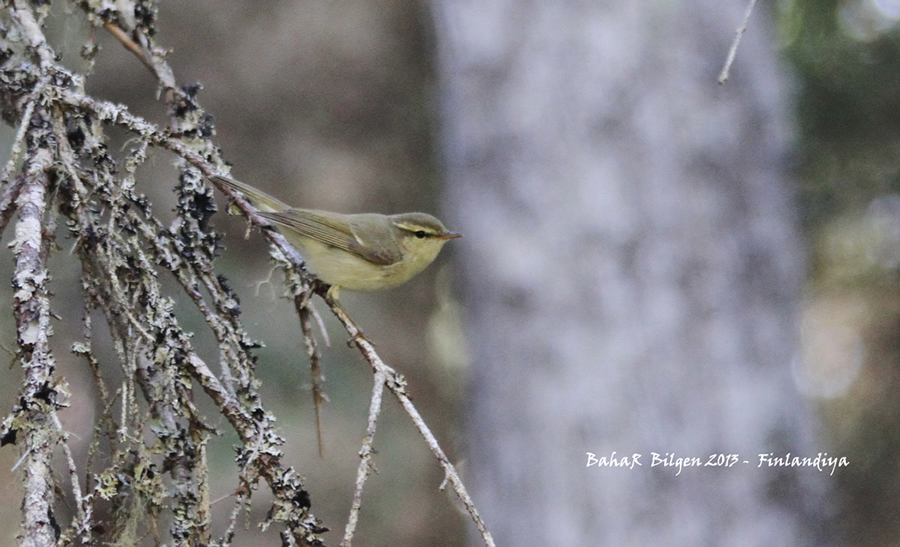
(631, 273)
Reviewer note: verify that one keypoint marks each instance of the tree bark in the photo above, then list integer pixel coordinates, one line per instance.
(631, 272)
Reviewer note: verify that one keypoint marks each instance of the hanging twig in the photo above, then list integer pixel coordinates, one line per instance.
(732, 51)
(302, 305)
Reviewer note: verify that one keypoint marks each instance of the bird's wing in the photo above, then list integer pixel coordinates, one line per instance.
(263, 201)
(336, 231)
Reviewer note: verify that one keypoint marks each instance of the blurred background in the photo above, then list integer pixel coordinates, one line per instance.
(595, 138)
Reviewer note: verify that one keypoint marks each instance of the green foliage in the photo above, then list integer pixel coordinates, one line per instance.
(847, 58)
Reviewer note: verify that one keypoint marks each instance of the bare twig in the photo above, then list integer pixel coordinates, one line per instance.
(732, 51)
(397, 385)
(153, 59)
(302, 305)
(131, 45)
(365, 456)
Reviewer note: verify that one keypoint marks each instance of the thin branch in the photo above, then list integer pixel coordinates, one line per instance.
(397, 385)
(365, 456)
(83, 511)
(22, 14)
(151, 58)
(241, 499)
(8, 202)
(132, 46)
(120, 115)
(302, 305)
(723, 76)
(19, 139)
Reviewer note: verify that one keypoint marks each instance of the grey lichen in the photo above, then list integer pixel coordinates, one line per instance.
(147, 462)
(61, 169)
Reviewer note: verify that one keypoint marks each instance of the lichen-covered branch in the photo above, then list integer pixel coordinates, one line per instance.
(41, 394)
(147, 462)
(65, 170)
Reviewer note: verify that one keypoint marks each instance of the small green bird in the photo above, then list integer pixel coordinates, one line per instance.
(360, 252)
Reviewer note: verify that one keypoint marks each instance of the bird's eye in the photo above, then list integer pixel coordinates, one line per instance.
(421, 234)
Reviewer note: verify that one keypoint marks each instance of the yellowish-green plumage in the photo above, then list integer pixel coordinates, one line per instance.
(361, 252)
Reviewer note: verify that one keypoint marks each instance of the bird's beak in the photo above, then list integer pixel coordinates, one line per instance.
(449, 235)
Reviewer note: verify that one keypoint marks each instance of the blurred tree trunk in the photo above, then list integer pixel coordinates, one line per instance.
(631, 268)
